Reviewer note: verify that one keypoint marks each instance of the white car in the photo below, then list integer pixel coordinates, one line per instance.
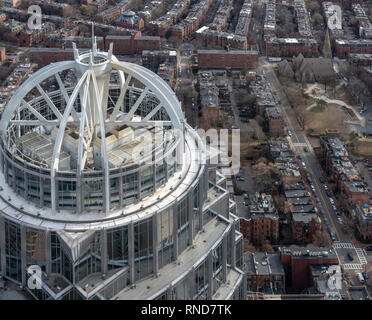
(290, 133)
(304, 165)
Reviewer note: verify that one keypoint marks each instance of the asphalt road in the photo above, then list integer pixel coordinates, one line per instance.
(312, 165)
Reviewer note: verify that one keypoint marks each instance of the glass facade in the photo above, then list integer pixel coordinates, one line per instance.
(43, 248)
(13, 250)
(117, 247)
(143, 249)
(183, 224)
(35, 248)
(34, 184)
(201, 281)
(165, 236)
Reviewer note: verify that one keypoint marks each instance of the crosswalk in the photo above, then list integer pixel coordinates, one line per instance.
(353, 266)
(359, 251)
(343, 245)
(361, 256)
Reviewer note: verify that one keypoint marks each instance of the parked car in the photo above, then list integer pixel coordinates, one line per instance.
(368, 248)
(360, 277)
(321, 179)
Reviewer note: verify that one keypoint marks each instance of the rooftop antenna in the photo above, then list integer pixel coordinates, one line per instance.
(76, 52)
(94, 40)
(109, 56)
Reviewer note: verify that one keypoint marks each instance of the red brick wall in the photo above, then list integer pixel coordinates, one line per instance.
(342, 51)
(291, 50)
(276, 126)
(133, 45)
(2, 54)
(225, 59)
(46, 57)
(300, 270)
(255, 229)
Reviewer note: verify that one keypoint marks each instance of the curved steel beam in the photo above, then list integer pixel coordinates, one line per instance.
(28, 85)
(58, 143)
(157, 85)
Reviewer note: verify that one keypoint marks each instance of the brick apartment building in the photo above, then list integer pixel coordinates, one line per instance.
(234, 59)
(289, 47)
(340, 169)
(46, 56)
(215, 39)
(53, 8)
(99, 4)
(344, 47)
(112, 13)
(297, 261)
(208, 96)
(265, 273)
(28, 38)
(66, 42)
(132, 44)
(154, 8)
(161, 25)
(357, 59)
(304, 224)
(363, 218)
(262, 222)
(152, 59)
(274, 122)
(191, 23)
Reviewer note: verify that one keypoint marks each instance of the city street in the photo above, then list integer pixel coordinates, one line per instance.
(299, 140)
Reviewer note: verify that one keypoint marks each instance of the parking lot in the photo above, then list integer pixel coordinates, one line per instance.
(365, 169)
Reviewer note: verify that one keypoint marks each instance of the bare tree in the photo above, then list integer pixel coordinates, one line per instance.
(321, 239)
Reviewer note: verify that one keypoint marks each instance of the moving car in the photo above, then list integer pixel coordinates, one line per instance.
(350, 256)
